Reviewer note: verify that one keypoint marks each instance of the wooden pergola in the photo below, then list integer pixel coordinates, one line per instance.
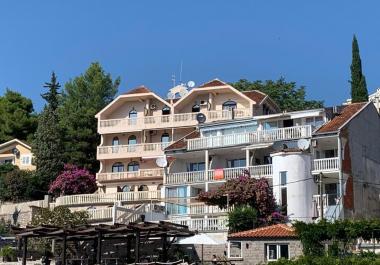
(98, 233)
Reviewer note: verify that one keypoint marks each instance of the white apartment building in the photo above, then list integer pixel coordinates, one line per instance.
(292, 150)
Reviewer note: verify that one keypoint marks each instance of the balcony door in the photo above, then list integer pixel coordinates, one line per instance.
(132, 140)
(132, 117)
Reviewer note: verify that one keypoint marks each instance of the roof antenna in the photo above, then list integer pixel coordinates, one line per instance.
(173, 79)
(180, 73)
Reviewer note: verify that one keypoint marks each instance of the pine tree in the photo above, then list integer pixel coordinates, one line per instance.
(47, 146)
(82, 98)
(359, 92)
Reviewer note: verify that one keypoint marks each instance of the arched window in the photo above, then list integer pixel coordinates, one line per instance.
(118, 167)
(143, 188)
(159, 187)
(165, 110)
(128, 188)
(196, 108)
(132, 140)
(115, 141)
(133, 113)
(133, 166)
(165, 138)
(230, 104)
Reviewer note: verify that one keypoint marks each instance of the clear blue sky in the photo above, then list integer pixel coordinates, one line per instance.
(145, 41)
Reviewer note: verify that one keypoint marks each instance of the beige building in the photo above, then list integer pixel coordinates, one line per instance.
(138, 125)
(17, 153)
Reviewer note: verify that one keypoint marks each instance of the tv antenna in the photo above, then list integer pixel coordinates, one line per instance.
(173, 79)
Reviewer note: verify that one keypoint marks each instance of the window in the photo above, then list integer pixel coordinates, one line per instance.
(128, 188)
(165, 138)
(133, 166)
(234, 249)
(165, 110)
(199, 166)
(133, 113)
(315, 121)
(275, 252)
(330, 153)
(228, 105)
(270, 125)
(178, 197)
(241, 162)
(284, 192)
(196, 108)
(143, 188)
(118, 167)
(132, 140)
(115, 141)
(25, 160)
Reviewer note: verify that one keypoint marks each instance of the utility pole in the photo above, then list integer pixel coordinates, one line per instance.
(321, 192)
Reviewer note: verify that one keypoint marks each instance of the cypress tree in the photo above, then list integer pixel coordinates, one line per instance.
(359, 92)
(47, 146)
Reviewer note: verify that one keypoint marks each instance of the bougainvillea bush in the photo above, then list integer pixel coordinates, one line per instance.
(73, 180)
(246, 191)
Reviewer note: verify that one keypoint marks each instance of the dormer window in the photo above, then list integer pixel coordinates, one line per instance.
(133, 113)
(196, 108)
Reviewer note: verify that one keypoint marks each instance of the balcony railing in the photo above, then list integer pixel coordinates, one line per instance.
(134, 150)
(326, 165)
(218, 174)
(100, 214)
(165, 121)
(257, 137)
(108, 198)
(204, 224)
(121, 176)
(198, 208)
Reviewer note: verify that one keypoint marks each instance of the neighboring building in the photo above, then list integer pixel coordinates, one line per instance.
(262, 245)
(17, 153)
(374, 97)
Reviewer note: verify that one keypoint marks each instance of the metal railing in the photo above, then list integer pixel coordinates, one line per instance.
(263, 136)
(218, 174)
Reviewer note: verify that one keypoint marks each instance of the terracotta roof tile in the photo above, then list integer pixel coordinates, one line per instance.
(138, 90)
(273, 231)
(215, 82)
(338, 121)
(181, 143)
(255, 95)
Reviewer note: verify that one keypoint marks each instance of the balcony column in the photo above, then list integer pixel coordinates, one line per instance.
(247, 158)
(206, 174)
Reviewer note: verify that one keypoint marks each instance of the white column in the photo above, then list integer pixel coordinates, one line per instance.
(247, 158)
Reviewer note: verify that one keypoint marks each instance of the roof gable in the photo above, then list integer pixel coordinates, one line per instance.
(138, 90)
(255, 95)
(17, 141)
(213, 83)
(340, 120)
(273, 231)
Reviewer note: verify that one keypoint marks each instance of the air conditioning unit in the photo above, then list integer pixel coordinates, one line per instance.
(153, 106)
(203, 103)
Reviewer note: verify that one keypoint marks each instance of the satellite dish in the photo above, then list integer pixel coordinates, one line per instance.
(190, 84)
(170, 95)
(180, 90)
(161, 162)
(201, 118)
(303, 144)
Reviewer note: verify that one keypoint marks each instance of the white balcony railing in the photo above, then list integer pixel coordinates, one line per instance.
(326, 165)
(204, 224)
(165, 121)
(100, 214)
(108, 198)
(119, 176)
(263, 136)
(134, 150)
(218, 174)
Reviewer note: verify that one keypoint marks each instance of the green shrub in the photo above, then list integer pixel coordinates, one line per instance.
(326, 260)
(8, 253)
(242, 218)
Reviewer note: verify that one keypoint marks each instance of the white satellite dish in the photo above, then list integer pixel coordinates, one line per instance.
(303, 144)
(161, 162)
(183, 92)
(191, 84)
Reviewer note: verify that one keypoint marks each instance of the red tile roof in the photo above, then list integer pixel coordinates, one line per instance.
(212, 83)
(255, 95)
(138, 90)
(181, 143)
(338, 121)
(273, 231)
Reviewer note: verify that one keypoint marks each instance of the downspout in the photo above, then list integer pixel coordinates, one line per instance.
(341, 191)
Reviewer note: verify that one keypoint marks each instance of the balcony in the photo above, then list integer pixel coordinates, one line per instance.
(122, 176)
(263, 136)
(107, 198)
(167, 121)
(216, 224)
(100, 214)
(331, 207)
(198, 208)
(218, 174)
(325, 165)
(135, 150)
